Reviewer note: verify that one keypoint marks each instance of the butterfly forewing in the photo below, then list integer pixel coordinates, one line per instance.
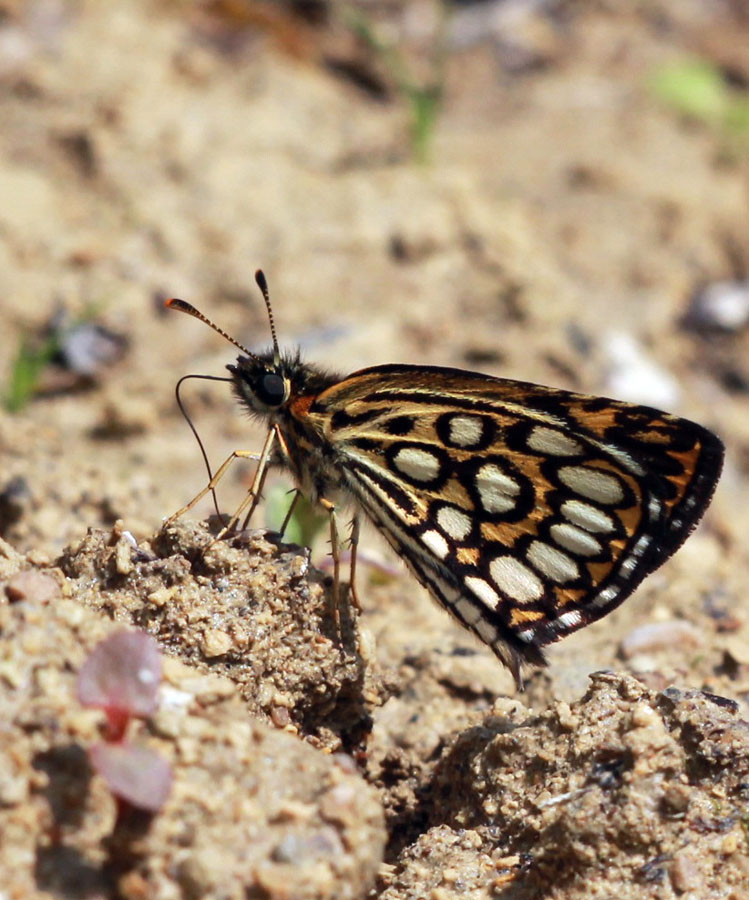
(528, 512)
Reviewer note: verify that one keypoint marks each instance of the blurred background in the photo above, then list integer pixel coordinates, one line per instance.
(546, 190)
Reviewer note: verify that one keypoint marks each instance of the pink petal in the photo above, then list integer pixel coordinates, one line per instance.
(122, 673)
(139, 775)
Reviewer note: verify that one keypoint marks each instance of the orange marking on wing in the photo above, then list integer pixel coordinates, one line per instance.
(682, 481)
(653, 437)
(469, 556)
(599, 422)
(520, 616)
(507, 533)
(599, 571)
(455, 492)
(567, 596)
(630, 518)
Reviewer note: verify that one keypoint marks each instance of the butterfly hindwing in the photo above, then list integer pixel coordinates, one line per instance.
(528, 512)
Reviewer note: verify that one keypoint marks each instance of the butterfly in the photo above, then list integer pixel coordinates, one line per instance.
(527, 512)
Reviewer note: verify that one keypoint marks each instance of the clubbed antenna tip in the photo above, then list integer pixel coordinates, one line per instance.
(263, 285)
(185, 307)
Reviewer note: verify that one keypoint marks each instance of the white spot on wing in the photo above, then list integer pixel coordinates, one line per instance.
(641, 544)
(454, 521)
(436, 543)
(497, 491)
(655, 508)
(515, 579)
(574, 539)
(594, 484)
(606, 596)
(552, 442)
(571, 619)
(552, 562)
(483, 590)
(466, 431)
(610, 592)
(586, 516)
(625, 459)
(417, 464)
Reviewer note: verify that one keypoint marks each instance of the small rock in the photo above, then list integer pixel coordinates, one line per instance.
(123, 560)
(280, 716)
(340, 804)
(197, 874)
(722, 305)
(684, 874)
(659, 636)
(634, 376)
(738, 646)
(32, 585)
(216, 643)
(14, 789)
(643, 716)
(161, 596)
(676, 798)
(730, 843)
(208, 688)
(133, 886)
(87, 347)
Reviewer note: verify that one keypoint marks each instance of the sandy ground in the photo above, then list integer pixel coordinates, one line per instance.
(558, 231)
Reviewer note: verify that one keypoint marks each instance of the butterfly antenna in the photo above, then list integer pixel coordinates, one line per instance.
(263, 285)
(185, 307)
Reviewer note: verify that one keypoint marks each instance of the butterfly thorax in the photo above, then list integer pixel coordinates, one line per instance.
(279, 393)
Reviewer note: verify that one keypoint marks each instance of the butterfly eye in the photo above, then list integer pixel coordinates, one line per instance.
(271, 389)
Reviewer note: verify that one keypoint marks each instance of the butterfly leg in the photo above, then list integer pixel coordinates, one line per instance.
(354, 543)
(253, 495)
(290, 512)
(220, 472)
(335, 552)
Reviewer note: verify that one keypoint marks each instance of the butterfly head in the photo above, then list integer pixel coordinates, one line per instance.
(260, 382)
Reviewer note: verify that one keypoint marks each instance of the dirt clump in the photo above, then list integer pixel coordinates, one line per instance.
(253, 811)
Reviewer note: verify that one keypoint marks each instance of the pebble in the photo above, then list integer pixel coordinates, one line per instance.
(729, 844)
(644, 716)
(339, 804)
(161, 596)
(660, 636)
(280, 716)
(216, 643)
(123, 559)
(32, 585)
(635, 377)
(738, 646)
(684, 874)
(722, 305)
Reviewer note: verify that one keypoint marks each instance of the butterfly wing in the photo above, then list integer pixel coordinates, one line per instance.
(527, 512)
